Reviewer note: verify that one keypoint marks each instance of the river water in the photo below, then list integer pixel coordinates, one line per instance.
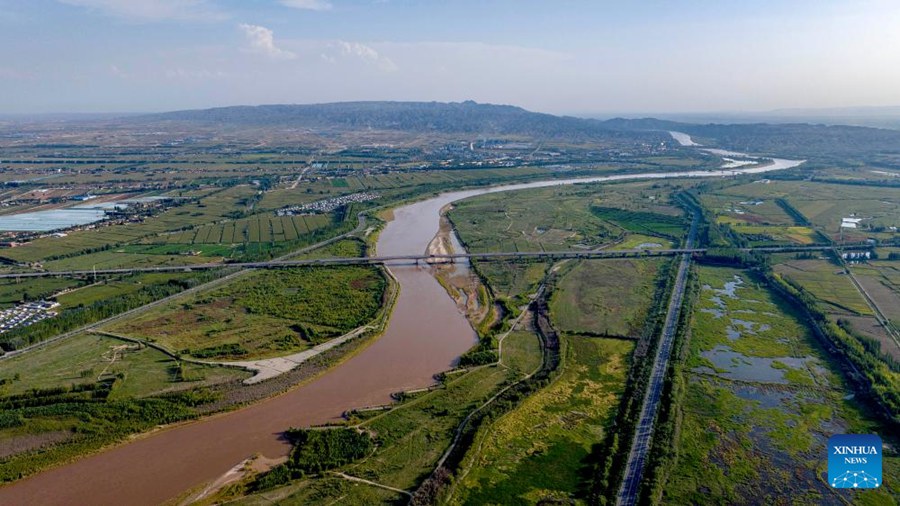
(425, 335)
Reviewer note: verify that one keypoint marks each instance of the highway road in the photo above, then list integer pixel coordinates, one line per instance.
(643, 435)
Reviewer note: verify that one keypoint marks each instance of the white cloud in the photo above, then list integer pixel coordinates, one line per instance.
(262, 41)
(118, 72)
(153, 10)
(193, 74)
(310, 5)
(365, 53)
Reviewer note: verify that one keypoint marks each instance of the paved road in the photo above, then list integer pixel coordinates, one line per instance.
(637, 457)
(399, 259)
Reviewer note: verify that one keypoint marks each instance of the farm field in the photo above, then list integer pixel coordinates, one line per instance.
(562, 218)
(642, 222)
(881, 279)
(769, 235)
(738, 208)
(119, 258)
(825, 204)
(827, 282)
(538, 451)
(843, 302)
(762, 221)
(532, 396)
(262, 228)
(760, 398)
(605, 298)
(268, 313)
(213, 206)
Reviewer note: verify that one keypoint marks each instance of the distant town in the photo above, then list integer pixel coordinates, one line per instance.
(26, 314)
(326, 205)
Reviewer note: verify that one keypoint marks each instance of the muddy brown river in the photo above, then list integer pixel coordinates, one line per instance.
(425, 335)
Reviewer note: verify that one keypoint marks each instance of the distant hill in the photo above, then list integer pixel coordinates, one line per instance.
(824, 143)
(831, 143)
(417, 117)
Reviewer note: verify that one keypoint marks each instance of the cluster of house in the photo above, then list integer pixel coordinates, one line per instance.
(326, 205)
(26, 314)
(850, 222)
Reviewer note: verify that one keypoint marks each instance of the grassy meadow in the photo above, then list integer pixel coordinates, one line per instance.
(608, 297)
(268, 313)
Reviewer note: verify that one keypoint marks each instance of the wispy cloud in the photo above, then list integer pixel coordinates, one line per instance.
(261, 40)
(363, 52)
(310, 5)
(117, 71)
(153, 10)
(193, 74)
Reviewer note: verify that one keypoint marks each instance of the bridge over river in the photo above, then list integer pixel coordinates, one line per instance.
(417, 259)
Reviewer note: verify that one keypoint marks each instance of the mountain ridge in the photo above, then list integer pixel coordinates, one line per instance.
(823, 142)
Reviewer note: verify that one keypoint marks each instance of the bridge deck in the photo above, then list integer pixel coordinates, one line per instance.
(414, 259)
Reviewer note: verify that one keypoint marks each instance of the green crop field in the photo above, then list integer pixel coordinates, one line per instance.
(211, 207)
(748, 209)
(119, 258)
(824, 205)
(881, 279)
(256, 229)
(828, 283)
(768, 235)
(609, 297)
(643, 222)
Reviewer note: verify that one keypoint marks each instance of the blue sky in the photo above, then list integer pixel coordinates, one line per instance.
(564, 56)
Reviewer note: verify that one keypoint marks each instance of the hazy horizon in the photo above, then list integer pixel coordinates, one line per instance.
(575, 58)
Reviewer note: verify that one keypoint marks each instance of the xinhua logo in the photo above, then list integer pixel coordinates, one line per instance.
(854, 461)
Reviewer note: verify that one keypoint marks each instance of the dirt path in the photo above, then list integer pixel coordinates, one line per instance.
(271, 367)
(372, 483)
